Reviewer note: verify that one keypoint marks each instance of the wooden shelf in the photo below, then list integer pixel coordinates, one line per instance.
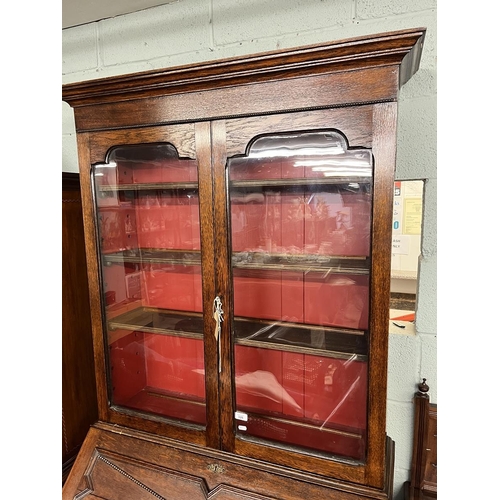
(155, 256)
(321, 438)
(301, 262)
(182, 407)
(249, 260)
(341, 343)
(305, 183)
(159, 321)
(337, 343)
(149, 186)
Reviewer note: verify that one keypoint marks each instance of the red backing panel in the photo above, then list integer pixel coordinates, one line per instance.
(292, 169)
(293, 383)
(259, 379)
(257, 294)
(169, 170)
(127, 364)
(243, 169)
(175, 364)
(292, 297)
(171, 286)
(336, 391)
(337, 300)
(292, 224)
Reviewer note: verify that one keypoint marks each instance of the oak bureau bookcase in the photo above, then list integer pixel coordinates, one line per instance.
(238, 236)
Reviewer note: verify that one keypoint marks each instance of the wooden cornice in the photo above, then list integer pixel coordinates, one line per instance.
(401, 48)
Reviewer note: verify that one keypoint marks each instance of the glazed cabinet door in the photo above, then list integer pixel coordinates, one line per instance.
(156, 288)
(243, 269)
(298, 289)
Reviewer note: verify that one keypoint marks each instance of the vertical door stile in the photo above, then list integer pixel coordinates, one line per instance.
(83, 140)
(205, 186)
(223, 282)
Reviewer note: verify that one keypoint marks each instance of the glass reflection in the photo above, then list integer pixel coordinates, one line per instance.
(149, 235)
(300, 208)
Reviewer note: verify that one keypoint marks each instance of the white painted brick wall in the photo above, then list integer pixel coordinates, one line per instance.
(241, 20)
(80, 49)
(429, 243)
(190, 31)
(177, 28)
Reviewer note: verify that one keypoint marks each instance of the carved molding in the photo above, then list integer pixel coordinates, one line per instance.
(167, 480)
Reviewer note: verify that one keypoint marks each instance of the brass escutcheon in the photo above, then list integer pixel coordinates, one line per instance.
(218, 469)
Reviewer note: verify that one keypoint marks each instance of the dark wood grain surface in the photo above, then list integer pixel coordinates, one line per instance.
(79, 403)
(423, 480)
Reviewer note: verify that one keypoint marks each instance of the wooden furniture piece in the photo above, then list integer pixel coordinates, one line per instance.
(79, 398)
(238, 233)
(423, 482)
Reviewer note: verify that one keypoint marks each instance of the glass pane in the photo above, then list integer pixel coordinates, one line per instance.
(149, 235)
(301, 228)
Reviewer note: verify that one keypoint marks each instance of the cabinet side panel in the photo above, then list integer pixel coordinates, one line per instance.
(78, 377)
(384, 153)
